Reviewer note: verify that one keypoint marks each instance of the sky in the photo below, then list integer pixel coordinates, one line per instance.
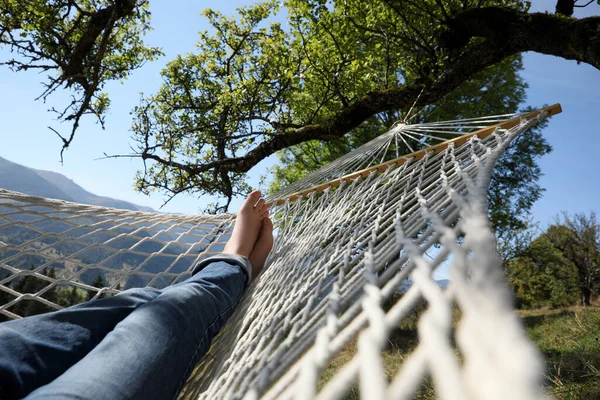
(570, 171)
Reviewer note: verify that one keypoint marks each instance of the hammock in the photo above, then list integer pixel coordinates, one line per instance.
(356, 245)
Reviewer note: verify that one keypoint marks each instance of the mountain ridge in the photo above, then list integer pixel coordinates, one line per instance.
(50, 184)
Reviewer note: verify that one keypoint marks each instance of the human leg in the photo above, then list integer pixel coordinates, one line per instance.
(151, 352)
(147, 355)
(35, 350)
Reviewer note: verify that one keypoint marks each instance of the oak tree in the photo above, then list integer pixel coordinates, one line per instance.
(339, 72)
(80, 44)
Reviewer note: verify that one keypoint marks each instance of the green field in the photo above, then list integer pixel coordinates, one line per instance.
(568, 338)
(570, 342)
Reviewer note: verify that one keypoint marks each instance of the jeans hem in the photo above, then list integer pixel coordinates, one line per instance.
(236, 259)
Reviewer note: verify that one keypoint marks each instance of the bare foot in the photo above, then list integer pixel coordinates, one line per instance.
(262, 248)
(248, 223)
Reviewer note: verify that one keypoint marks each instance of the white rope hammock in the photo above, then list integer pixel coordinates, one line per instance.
(342, 248)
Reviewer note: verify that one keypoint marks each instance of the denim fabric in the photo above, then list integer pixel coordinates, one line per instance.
(240, 260)
(139, 344)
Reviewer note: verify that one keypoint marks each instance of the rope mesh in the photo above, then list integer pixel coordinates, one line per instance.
(339, 256)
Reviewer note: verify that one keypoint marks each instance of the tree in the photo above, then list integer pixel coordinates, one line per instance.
(560, 266)
(542, 276)
(254, 89)
(52, 293)
(64, 297)
(70, 296)
(82, 44)
(97, 283)
(514, 185)
(33, 284)
(578, 237)
(503, 91)
(4, 296)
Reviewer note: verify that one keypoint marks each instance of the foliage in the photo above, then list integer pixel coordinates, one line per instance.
(543, 276)
(514, 185)
(578, 237)
(217, 103)
(561, 266)
(254, 88)
(5, 297)
(97, 283)
(514, 188)
(63, 296)
(33, 284)
(67, 297)
(81, 44)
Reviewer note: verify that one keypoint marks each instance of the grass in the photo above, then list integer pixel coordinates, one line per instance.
(568, 338)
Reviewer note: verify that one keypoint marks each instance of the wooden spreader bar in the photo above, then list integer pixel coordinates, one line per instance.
(417, 155)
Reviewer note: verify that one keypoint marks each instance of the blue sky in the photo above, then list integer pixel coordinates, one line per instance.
(570, 171)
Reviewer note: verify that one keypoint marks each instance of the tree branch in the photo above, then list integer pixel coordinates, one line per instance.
(377, 101)
(510, 31)
(98, 22)
(515, 31)
(474, 40)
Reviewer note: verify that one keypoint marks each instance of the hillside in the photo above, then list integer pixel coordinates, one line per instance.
(20, 178)
(43, 234)
(26, 180)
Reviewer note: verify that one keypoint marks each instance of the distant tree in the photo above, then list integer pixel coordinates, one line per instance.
(70, 296)
(513, 243)
(117, 288)
(542, 276)
(97, 283)
(4, 296)
(577, 236)
(33, 284)
(34, 307)
(64, 297)
(561, 266)
(52, 293)
(74, 297)
(24, 283)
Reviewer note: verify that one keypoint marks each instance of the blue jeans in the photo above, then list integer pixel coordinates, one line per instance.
(139, 344)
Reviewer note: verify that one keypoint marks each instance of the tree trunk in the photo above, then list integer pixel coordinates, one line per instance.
(587, 295)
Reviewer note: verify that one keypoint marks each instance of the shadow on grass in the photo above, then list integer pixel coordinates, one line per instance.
(533, 321)
(403, 340)
(570, 343)
(576, 366)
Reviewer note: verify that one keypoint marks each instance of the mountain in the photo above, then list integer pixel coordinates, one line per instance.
(83, 196)
(53, 185)
(26, 180)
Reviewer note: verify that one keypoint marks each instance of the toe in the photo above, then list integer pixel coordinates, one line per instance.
(251, 200)
(264, 213)
(260, 204)
(255, 194)
(268, 224)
